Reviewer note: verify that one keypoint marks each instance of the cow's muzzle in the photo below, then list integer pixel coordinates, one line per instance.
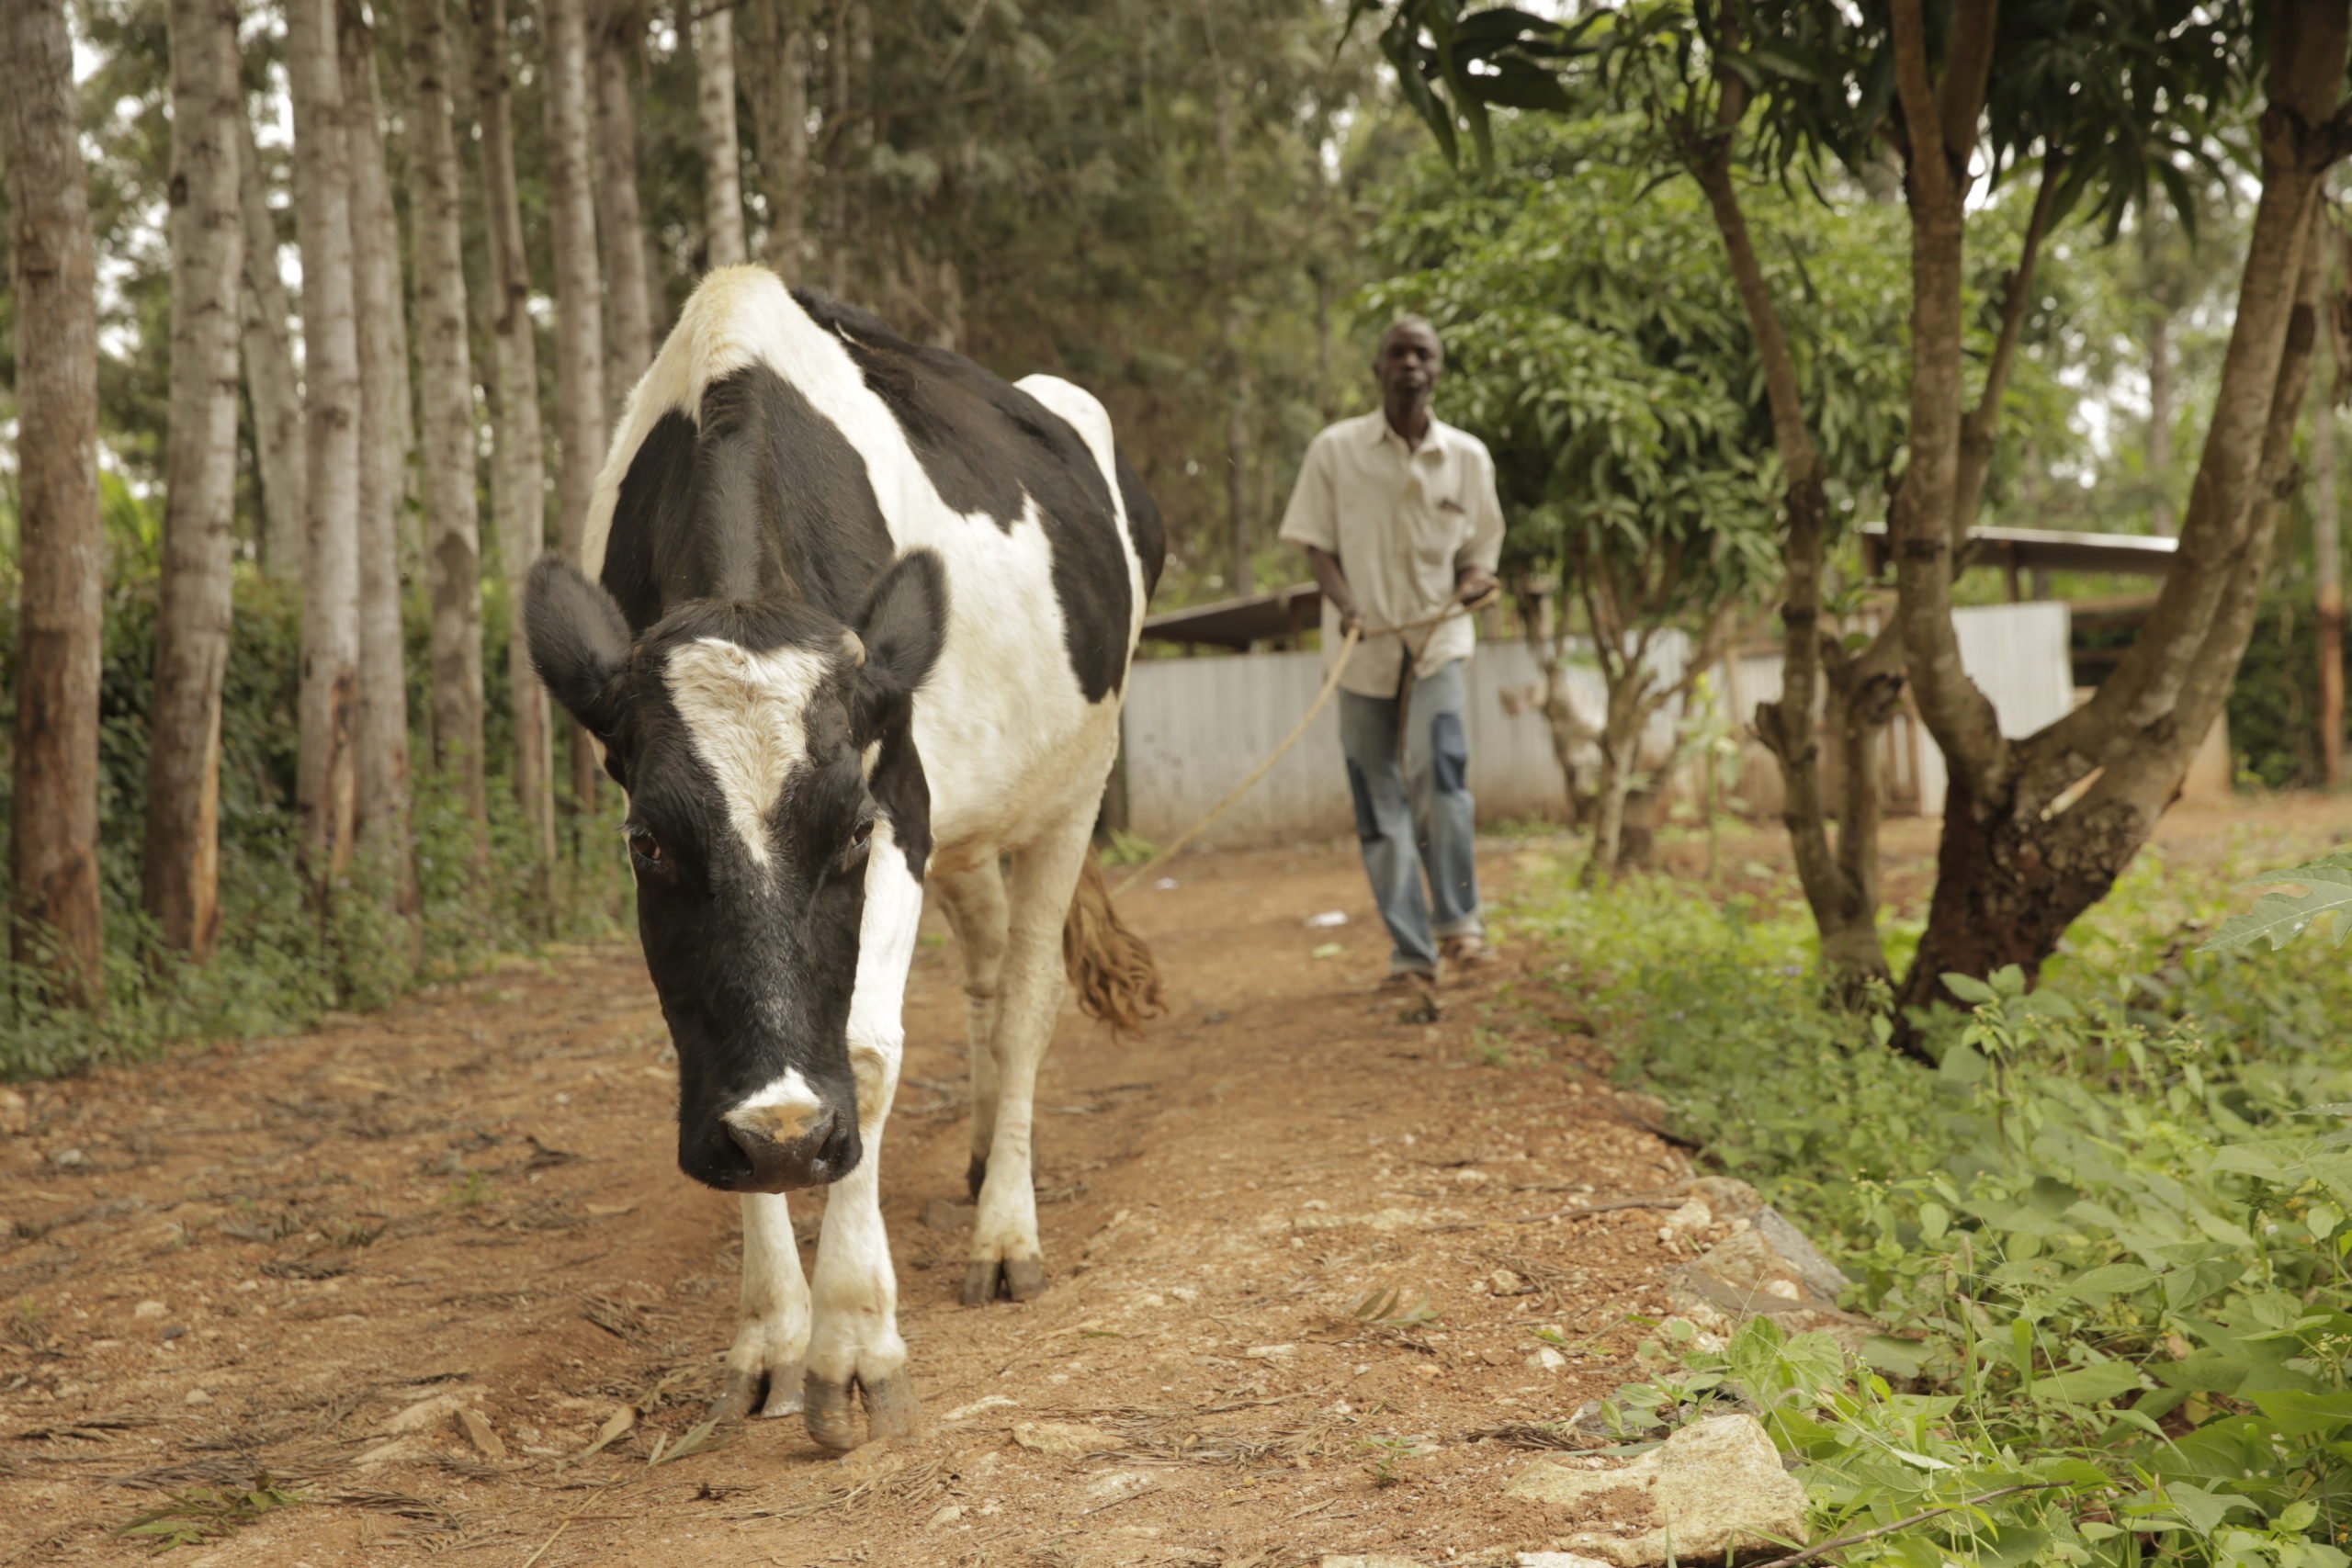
(820, 1148)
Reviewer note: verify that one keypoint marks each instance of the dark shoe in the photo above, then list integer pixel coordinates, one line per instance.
(1469, 953)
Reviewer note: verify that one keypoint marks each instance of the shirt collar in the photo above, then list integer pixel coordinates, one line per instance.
(1383, 432)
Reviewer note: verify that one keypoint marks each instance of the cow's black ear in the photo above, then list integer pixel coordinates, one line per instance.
(902, 628)
(579, 642)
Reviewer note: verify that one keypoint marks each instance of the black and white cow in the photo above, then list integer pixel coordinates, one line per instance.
(865, 614)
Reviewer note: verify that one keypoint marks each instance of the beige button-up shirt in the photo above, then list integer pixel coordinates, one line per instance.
(1401, 520)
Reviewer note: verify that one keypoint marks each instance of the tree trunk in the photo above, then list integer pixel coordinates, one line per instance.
(2011, 876)
(722, 158)
(580, 335)
(326, 781)
(270, 377)
(2327, 560)
(453, 532)
(619, 38)
(62, 550)
(1232, 330)
(839, 151)
(775, 41)
(385, 832)
(182, 861)
(1840, 876)
(518, 472)
(2160, 417)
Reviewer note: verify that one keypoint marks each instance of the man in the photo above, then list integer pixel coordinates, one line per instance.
(1398, 513)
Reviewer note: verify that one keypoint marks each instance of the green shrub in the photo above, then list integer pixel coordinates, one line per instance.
(2107, 1234)
(279, 968)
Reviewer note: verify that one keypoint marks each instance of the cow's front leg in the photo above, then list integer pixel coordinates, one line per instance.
(773, 1340)
(855, 1348)
(1005, 1254)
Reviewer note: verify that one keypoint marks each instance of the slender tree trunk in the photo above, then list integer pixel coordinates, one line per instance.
(270, 375)
(518, 471)
(385, 830)
(1233, 329)
(2161, 514)
(722, 158)
(326, 782)
(62, 550)
(619, 38)
(182, 863)
(580, 337)
(453, 532)
(775, 41)
(840, 154)
(2327, 562)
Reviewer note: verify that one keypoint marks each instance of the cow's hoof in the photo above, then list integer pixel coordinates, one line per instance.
(830, 1410)
(743, 1391)
(1015, 1278)
(976, 1176)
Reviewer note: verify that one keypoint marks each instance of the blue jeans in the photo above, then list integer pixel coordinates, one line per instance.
(1415, 815)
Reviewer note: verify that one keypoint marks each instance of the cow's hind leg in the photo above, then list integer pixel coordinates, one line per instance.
(771, 1344)
(974, 903)
(1005, 1257)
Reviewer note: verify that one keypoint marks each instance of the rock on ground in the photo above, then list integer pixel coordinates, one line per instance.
(1714, 1488)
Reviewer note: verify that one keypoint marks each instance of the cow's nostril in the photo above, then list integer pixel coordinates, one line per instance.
(743, 1151)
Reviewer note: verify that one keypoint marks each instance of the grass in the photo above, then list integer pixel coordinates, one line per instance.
(2107, 1234)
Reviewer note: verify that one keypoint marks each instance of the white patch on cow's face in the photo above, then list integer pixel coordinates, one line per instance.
(780, 1111)
(746, 713)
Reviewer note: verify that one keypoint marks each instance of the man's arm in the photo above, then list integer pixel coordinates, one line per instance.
(1333, 579)
(1475, 563)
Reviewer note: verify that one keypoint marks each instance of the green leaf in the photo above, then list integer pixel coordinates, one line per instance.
(2280, 918)
(2087, 1385)
(1970, 990)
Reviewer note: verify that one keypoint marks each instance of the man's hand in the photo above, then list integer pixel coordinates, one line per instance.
(1350, 619)
(1473, 584)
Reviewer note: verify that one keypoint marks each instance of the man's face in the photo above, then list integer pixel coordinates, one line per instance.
(1409, 363)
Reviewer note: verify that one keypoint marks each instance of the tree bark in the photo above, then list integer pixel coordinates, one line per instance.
(453, 532)
(580, 337)
(271, 379)
(384, 826)
(2161, 516)
(62, 550)
(518, 471)
(722, 157)
(2327, 562)
(181, 866)
(326, 781)
(775, 41)
(619, 38)
(1840, 876)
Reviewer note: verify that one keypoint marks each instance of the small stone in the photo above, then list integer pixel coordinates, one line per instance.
(15, 1112)
(986, 1402)
(947, 1514)
(1547, 1360)
(1503, 1282)
(148, 1309)
(197, 1396)
(1063, 1439)
(479, 1432)
(1714, 1489)
(67, 1158)
(1269, 1353)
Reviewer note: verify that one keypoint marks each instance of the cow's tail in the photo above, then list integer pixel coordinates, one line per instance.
(1109, 966)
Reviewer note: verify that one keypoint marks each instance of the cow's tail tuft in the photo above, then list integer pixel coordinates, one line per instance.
(1109, 965)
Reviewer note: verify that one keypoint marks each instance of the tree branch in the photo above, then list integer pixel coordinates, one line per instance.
(1968, 68)
(1977, 430)
(1922, 116)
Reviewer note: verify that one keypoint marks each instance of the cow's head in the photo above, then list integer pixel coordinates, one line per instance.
(778, 823)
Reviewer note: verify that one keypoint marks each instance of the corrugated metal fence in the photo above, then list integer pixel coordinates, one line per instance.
(1194, 727)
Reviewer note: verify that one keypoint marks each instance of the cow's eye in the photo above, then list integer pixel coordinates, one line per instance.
(854, 852)
(862, 831)
(644, 847)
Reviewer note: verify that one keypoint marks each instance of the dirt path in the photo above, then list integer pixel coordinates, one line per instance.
(305, 1256)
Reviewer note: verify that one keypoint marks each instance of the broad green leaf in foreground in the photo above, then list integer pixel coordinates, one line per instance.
(2281, 916)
